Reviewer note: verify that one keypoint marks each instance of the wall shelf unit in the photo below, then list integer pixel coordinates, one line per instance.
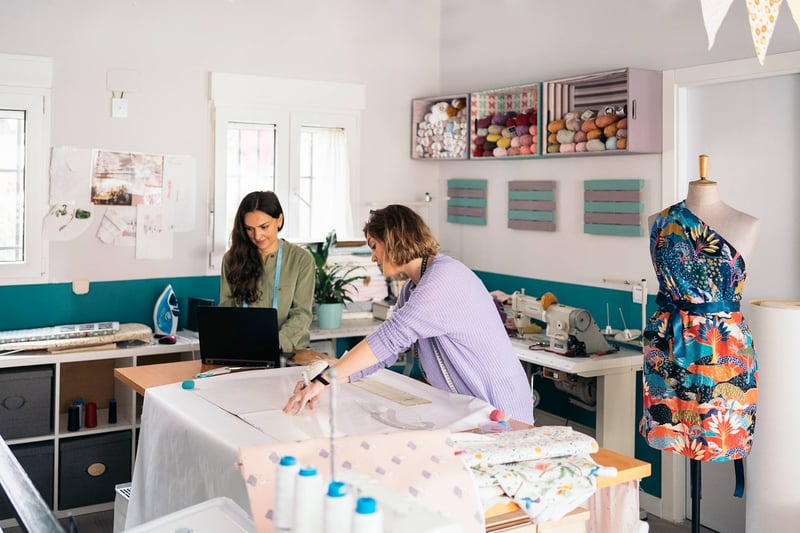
(607, 113)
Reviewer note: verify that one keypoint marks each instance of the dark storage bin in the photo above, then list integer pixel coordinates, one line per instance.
(90, 468)
(37, 460)
(26, 402)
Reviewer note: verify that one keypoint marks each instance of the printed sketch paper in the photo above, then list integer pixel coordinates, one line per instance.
(126, 178)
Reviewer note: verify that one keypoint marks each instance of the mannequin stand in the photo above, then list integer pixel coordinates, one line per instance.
(694, 472)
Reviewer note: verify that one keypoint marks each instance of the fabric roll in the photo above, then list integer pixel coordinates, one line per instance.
(773, 501)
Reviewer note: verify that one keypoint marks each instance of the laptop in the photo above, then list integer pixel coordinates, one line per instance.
(238, 336)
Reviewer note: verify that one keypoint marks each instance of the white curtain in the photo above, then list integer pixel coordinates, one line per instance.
(330, 196)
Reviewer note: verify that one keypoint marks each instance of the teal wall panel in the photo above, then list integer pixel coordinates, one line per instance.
(33, 306)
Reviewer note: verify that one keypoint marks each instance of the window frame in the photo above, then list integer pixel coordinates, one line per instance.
(288, 104)
(25, 83)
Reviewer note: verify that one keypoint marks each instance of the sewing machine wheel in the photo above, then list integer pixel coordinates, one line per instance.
(582, 319)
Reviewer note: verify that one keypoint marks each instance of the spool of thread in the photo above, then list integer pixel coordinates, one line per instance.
(338, 513)
(308, 502)
(112, 411)
(91, 415)
(368, 518)
(285, 478)
(73, 418)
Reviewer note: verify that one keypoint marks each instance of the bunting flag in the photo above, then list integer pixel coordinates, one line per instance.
(763, 15)
(794, 6)
(714, 12)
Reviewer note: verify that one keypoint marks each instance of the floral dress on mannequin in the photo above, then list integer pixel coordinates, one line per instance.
(700, 369)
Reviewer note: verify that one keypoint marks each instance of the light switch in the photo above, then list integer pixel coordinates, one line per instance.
(119, 108)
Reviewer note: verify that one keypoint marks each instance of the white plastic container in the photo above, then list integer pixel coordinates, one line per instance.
(338, 513)
(283, 513)
(367, 518)
(308, 501)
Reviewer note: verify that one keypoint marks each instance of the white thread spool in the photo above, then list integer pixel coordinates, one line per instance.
(285, 477)
(308, 502)
(338, 509)
(368, 518)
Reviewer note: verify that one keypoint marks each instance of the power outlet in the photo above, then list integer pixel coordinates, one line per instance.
(119, 108)
(637, 294)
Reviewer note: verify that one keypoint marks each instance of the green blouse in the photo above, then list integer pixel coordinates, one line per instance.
(295, 294)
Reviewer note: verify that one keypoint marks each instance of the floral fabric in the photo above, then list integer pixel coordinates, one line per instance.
(700, 368)
(546, 471)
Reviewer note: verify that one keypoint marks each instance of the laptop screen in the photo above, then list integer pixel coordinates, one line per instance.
(238, 336)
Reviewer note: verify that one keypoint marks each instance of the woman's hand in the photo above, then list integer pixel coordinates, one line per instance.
(303, 396)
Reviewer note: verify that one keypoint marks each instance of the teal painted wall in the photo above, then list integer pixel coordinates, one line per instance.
(33, 306)
(594, 299)
(30, 306)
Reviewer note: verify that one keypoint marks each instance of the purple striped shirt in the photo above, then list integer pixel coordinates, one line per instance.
(452, 305)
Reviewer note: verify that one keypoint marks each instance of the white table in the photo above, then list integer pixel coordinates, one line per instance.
(188, 445)
(616, 388)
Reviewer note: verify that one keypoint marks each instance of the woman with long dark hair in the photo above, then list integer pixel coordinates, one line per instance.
(262, 270)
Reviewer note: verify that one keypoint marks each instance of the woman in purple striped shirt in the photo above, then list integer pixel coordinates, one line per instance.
(444, 313)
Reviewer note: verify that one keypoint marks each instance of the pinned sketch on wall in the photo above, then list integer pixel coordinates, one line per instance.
(66, 221)
(126, 178)
(154, 233)
(178, 193)
(70, 169)
(118, 226)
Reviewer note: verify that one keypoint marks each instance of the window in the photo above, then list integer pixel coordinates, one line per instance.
(24, 102)
(270, 138)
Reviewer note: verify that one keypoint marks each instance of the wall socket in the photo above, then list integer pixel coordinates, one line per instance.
(637, 294)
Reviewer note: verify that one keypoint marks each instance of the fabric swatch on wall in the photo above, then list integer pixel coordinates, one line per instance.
(613, 207)
(466, 201)
(531, 205)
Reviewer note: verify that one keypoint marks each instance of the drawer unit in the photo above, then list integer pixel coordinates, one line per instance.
(37, 460)
(26, 402)
(91, 467)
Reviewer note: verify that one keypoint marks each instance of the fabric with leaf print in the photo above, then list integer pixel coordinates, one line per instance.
(700, 372)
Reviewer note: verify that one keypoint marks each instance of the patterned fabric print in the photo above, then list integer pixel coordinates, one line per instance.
(700, 369)
(546, 471)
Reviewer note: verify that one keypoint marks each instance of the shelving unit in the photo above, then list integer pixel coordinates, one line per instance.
(90, 374)
(498, 128)
(629, 97)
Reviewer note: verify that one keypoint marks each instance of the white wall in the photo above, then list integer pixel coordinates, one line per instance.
(515, 42)
(400, 50)
(388, 46)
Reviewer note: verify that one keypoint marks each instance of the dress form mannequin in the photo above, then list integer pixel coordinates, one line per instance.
(703, 199)
(699, 249)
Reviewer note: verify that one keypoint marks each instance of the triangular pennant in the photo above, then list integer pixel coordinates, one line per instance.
(794, 6)
(714, 12)
(763, 14)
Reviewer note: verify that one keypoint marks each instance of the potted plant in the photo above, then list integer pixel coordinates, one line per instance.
(333, 281)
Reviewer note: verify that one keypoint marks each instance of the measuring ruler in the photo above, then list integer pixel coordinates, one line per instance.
(396, 395)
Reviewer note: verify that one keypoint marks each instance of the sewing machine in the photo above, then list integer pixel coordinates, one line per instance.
(570, 330)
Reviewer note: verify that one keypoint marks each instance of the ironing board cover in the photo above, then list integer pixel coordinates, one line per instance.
(700, 369)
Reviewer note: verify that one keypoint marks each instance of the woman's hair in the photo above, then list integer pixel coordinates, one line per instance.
(243, 260)
(403, 232)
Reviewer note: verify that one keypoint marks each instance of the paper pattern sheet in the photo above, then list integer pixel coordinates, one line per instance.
(258, 397)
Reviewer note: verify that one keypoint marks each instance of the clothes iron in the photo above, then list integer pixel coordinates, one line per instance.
(166, 313)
